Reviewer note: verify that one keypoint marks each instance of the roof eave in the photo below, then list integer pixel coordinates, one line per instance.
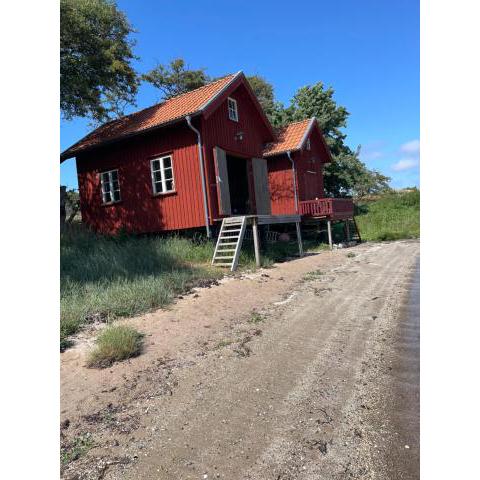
(65, 155)
(281, 152)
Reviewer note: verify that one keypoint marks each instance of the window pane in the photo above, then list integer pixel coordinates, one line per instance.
(105, 177)
(157, 177)
(115, 185)
(106, 197)
(158, 187)
(116, 196)
(156, 165)
(168, 173)
(106, 187)
(169, 185)
(114, 175)
(167, 162)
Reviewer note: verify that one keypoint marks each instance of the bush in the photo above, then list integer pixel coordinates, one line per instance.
(114, 344)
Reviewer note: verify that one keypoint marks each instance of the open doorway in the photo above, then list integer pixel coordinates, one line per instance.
(238, 183)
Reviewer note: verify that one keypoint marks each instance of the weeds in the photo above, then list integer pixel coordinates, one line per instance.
(114, 344)
(79, 447)
(223, 344)
(256, 318)
(310, 276)
(351, 255)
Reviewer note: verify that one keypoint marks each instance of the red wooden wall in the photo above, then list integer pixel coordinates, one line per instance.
(139, 210)
(309, 185)
(218, 130)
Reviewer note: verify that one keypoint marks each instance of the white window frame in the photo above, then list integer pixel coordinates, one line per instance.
(111, 191)
(232, 109)
(308, 145)
(163, 180)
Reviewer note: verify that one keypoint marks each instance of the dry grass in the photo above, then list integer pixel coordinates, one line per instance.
(114, 344)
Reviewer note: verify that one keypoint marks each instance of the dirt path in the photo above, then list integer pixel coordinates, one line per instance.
(280, 375)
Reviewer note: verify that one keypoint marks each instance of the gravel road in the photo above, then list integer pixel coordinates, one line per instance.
(318, 382)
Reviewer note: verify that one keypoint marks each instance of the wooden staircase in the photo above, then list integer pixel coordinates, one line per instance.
(229, 242)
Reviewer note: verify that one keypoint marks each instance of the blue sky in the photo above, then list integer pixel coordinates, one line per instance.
(368, 51)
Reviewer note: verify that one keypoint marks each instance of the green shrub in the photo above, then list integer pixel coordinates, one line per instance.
(114, 344)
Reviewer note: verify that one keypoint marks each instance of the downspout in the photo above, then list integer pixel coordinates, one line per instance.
(294, 180)
(202, 173)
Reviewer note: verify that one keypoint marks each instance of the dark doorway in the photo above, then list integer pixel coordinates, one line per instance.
(238, 183)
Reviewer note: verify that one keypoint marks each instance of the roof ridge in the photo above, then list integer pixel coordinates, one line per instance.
(309, 119)
(283, 127)
(163, 102)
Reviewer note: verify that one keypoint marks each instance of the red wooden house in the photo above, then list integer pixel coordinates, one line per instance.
(197, 158)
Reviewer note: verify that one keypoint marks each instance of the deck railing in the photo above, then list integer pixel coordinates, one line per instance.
(327, 207)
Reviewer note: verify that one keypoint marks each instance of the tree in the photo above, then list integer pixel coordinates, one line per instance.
(97, 79)
(264, 93)
(175, 78)
(346, 175)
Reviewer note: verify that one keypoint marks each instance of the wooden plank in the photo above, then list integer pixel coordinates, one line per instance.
(299, 239)
(239, 245)
(329, 229)
(223, 188)
(262, 192)
(275, 219)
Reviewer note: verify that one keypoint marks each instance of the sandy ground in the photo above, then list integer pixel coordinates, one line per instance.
(308, 370)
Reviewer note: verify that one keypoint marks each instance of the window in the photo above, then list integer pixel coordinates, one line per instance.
(110, 187)
(308, 144)
(232, 110)
(162, 175)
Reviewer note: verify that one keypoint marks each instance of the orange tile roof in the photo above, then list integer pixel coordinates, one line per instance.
(288, 138)
(173, 109)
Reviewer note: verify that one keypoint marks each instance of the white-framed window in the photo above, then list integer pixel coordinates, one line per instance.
(162, 175)
(232, 109)
(308, 146)
(110, 187)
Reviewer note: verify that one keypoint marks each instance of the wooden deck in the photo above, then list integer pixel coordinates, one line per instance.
(328, 208)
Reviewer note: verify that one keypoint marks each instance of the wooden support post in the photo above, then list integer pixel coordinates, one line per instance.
(347, 229)
(256, 241)
(329, 229)
(357, 230)
(299, 239)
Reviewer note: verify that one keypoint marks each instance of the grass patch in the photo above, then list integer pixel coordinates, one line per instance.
(79, 447)
(310, 276)
(256, 318)
(111, 277)
(103, 277)
(392, 216)
(222, 344)
(114, 344)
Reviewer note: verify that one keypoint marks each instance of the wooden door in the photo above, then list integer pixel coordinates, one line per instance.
(223, 188)
(262, 192)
